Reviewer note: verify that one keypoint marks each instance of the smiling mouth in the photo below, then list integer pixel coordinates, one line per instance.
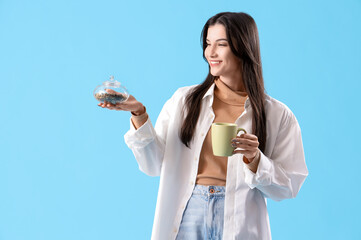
(214, 63)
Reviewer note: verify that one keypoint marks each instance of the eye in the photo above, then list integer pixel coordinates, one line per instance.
(222, 45)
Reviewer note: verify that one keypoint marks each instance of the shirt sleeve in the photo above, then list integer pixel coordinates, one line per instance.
(282, 175)
(148, 143)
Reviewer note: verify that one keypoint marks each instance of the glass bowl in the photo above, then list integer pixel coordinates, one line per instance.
(111, 91)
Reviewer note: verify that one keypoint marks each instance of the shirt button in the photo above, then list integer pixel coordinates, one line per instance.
(195, 159)
(192, 182)
(175, 229)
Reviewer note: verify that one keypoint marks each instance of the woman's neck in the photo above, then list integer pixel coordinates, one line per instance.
(234, 82)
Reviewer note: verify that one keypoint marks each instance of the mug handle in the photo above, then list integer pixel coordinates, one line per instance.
(241, 129)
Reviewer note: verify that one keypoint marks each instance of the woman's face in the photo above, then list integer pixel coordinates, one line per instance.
(222, 61)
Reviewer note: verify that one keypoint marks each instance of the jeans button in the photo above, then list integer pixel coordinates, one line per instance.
(211, 190)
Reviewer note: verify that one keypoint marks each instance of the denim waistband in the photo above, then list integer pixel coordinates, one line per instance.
(209, 190)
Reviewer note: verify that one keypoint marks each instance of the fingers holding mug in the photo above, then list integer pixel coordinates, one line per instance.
(245, 141)
(246, 144)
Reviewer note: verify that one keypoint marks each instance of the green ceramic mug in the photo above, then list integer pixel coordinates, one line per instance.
(222, 134)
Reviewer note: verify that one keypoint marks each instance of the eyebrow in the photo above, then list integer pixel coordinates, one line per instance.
(221, 39)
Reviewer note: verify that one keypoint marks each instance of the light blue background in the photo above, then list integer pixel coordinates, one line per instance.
(65, 171)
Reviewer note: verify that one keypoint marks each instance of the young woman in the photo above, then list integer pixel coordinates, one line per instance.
(202, 196)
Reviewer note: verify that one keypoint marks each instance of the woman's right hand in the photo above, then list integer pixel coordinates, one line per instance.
(131, 105)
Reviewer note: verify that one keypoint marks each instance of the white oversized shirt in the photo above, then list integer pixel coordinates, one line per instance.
(160, 152)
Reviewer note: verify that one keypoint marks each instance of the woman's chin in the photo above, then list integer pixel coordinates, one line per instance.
(214, 74)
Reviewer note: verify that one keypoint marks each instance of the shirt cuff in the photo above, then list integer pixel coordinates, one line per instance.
(138, 138)
(262, 176)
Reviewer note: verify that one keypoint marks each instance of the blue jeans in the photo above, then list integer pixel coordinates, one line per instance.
(203, 215)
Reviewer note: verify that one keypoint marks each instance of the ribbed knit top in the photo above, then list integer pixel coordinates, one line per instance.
(227, 105)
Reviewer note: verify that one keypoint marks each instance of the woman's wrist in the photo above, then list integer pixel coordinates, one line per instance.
(139, 120)
(256, 157)
(139, 112)
(252, 164)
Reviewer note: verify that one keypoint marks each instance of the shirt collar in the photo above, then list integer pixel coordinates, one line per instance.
(210, 91)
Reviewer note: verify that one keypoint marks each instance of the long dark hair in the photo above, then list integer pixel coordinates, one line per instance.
(242, 35)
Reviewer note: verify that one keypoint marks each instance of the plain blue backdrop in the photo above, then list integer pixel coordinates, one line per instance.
(65, 171)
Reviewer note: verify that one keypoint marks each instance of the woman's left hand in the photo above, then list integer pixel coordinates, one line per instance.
(248, 144)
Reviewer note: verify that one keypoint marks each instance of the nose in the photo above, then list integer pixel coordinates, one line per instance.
(212, 51)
